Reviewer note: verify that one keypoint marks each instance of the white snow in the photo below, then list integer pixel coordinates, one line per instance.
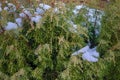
(44, 6)
(75, 12)
(27, 12)
(78, 7)
(74, 26)
(10, 26)
(19, 21)
(94, 15)
(36, 18)
(6, 8)
(39, 11)
(88, 54)
(91, 13)
(93, 52)
(12, 7)
(24, 13)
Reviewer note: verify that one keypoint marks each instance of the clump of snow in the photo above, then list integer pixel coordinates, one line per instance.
(74, 26)
(36, 19)
(19, 21)
(44, 6)
(94, 15)
(10, 7)
(88, 54)
(25, 13)
(39, 11)
(91, 13)
(77, 9)
(22, 15)
(10, 26)
(6, 8)
(75, 12)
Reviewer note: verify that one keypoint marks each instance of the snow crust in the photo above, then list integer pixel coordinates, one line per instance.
(44, 6)
(10, 7)
(19, 21)
(88, 54)
(36, 19)
(10, 26)
(77, 9)
(39, 11)
(6, 8)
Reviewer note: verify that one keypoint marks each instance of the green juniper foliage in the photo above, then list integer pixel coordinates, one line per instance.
(39, 51)
(109, 41)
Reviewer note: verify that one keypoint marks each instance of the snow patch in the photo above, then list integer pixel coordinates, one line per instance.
(36, 19)
(10, 26)
(6, 8)
(19, 21)
(39, 11)
(44, 6)
(25, 13)
(22, 15)
(10, 7)
(78, 7)
(88, 54)
(75, 12)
